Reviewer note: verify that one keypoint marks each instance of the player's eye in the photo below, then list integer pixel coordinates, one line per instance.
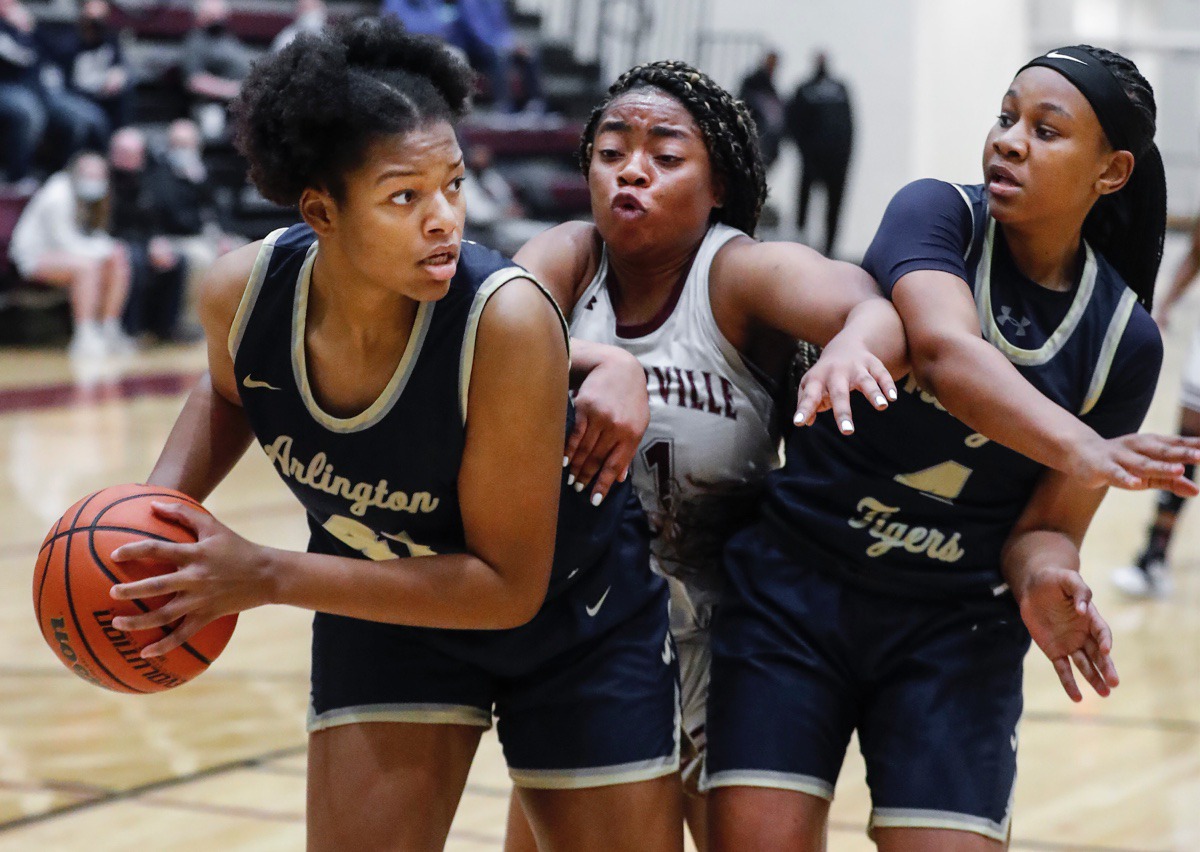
(457, 183)
(1004, 119)
(404, 197)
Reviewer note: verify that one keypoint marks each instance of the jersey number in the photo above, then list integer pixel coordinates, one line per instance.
(658, 457)
(358, 536)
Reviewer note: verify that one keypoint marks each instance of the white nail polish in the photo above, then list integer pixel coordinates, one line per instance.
(578, 486)
(596, 498)
(566, 460)
(892, 394)
(847, 426)
(570, 479)
(800, 418)
(879, 400)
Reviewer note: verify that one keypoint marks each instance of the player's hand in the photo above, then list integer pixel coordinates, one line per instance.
(1057, 608)
(1136, 462)
(221, 573)
(612, 412)
(845, 365)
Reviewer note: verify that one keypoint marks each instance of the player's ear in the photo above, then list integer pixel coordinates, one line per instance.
(319, 210)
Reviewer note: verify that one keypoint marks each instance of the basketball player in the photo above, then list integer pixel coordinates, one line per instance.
(886, 588)
(669, 272)
(386, 368)
(1149, 575)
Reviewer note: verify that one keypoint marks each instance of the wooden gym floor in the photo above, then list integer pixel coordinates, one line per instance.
(219, 763)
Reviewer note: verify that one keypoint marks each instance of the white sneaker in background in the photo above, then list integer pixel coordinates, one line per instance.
(116, 341)
(87, 343)
(1153, 582)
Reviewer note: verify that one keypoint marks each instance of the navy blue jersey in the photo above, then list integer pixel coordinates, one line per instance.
(915, 501)
(384, 483)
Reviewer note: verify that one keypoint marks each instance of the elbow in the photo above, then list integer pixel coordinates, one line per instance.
(523, 604)
(931, 358)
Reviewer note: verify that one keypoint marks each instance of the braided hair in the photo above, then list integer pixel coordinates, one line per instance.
(1128, 227)
(308, 114)
(728, 130)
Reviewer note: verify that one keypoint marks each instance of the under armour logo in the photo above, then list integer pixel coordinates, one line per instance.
(591, 304)
(1006, 316)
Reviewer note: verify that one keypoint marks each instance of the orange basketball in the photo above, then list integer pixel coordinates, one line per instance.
(74, 611)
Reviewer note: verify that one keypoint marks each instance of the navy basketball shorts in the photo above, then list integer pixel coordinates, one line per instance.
(586, 695)
(802, 659)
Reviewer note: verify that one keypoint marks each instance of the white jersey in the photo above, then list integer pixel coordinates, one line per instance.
(701, 463)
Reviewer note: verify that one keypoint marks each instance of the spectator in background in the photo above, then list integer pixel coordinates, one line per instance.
(214, 64)
(188, 213)
(310, 18)
(60, 239)
(495, 217)
(21, 111)
(29, 104)
(761, 98)
(820, 122)
(157, 270)
(96, 67)
(482, 31)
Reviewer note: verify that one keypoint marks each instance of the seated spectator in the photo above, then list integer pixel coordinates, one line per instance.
(33, 99)
(310, 18)
(429, 17)
(21, 111)
(96, 67)
(482, 30)
(157, 270)
(214, 64)
(60, 239)
(188, 213)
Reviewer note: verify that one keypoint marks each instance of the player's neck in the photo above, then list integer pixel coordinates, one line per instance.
(642, 287)
(1045, 255)
(364, 316)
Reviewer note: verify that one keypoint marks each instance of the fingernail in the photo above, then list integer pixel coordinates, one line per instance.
(847, 426)
(800, 418)
(579, 486)
(892, 394)
(596, 498)
(566, 460)
(624, 474)
(879, 400)
(570, 479)
(119, 623)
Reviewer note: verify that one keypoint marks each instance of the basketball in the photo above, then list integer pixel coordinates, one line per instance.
(71, 593)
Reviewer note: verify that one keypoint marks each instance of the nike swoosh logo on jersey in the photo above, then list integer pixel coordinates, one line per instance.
(255, 383)
(1054, 54)
(592, 610)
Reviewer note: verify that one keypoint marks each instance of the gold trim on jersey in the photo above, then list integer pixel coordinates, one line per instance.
(1108, 351)
(258, 274)
(1055, 342)
(378, 409)
(486, 290)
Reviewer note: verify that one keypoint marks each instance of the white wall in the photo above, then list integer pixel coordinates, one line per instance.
(926, 77)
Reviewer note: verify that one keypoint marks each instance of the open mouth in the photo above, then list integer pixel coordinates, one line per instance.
(1000, 178)
(626, 202)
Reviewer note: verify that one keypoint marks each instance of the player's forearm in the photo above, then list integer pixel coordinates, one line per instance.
(208, 438)
(587, 355)
(450, 591)
(876, 324)
(978, 385)
(1027, 553)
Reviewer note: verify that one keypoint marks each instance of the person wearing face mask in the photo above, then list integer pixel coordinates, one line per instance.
(158, 271)
(61, 240)
(214, 64)
(187, 213)
(96, 66)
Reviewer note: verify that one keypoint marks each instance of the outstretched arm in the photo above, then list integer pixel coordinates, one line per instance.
(792, 289)
(980, 386)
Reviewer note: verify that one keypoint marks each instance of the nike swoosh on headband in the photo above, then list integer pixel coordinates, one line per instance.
(1054, 54)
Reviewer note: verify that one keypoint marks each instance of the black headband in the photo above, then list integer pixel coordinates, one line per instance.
(1102, 89)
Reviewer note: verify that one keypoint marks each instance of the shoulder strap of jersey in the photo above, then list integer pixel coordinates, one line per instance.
(253, 287)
